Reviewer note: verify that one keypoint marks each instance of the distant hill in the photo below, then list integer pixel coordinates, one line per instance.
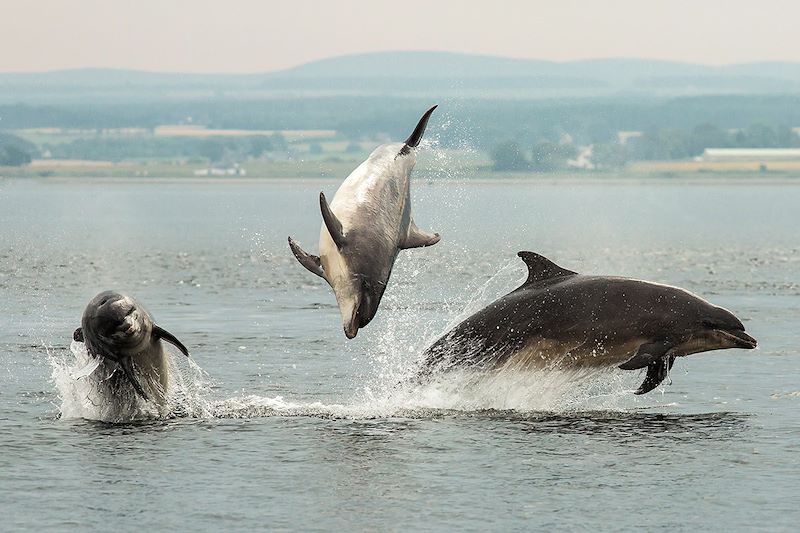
(442, 74)
(454, 65)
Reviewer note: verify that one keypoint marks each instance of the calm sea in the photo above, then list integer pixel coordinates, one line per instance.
(289, 426)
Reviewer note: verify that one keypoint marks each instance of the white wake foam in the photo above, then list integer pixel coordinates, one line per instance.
(462, 392)
(83, 395)
(457, 392)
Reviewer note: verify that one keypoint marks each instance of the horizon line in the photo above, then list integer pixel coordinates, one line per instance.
(385, 52)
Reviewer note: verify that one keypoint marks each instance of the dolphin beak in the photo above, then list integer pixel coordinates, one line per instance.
(738, 338)
(352, 324)
(351, 318)
(351, 329)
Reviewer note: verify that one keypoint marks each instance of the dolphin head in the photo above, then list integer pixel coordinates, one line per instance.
(114, 324)
(715, 328)
(724, 329)
(358, 297)
(358, 284)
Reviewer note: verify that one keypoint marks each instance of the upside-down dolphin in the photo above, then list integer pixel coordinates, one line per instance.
(125, 345)
(559, 319)
(364, 227)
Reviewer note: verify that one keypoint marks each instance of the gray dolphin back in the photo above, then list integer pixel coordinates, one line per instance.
(561, 319)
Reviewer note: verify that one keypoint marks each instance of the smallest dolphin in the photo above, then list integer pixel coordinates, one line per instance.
(120, 334)
(364, 228)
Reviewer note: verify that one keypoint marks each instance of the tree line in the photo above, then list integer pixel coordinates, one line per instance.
(672, 128)
(659, 144)
(482, 123)
(15, 151)
(213, 149)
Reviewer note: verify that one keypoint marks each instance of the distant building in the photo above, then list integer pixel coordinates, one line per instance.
(235, 170)
(624, 136)
(750, 154)
(583, 160)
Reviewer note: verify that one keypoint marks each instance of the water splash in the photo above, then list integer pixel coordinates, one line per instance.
(459, 392)
(530, 393)
(416, 310)
(84, 394)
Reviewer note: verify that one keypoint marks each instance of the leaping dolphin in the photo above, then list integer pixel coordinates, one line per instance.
(559, 319)
(119, 334)
(365, 227)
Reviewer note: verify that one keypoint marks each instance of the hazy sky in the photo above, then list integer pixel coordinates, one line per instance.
(263, 35)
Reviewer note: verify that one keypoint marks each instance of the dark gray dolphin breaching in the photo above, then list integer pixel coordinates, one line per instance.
(365, 226)
(120, 334)
(559, 319)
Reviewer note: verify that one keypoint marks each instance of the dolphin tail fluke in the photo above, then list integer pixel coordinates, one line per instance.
(418, 238)
(331, 222)
(416, 135)
(161, 333)
(311, 262)
(127, 368)
(656, 373)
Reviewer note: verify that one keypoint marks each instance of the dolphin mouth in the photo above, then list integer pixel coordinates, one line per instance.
(128, 326)
(125, 325)
(739, 338)
(351, 329)
(351, 326)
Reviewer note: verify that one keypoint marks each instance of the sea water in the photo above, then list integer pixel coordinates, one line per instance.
(282, 423)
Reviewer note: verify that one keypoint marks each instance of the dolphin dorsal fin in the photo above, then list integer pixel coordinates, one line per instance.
(541, 268)
(416, 135)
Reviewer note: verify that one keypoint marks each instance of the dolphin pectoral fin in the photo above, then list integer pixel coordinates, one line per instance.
(165, 335)
(652, 355)
(311, 262)
(331, 222)
(127, 369)
(416, 135)
(77, 335)
(645, 355)
(656, 372)
(417, 238)
(636, 362)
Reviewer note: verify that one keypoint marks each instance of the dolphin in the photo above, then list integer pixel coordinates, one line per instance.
(365, 227)
(119, 334)
(559, 319)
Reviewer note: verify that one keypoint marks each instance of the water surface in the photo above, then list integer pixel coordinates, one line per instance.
(295, 427)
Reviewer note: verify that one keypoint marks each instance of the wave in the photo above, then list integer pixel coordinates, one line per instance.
(455, 393)
(191, 395)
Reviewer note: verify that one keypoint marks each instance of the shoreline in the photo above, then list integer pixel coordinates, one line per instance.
(549, 179)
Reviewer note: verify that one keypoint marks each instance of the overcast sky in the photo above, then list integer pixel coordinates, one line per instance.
(264, 35)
